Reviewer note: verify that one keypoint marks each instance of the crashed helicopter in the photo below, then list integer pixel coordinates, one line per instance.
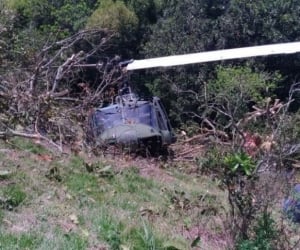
(135, 122)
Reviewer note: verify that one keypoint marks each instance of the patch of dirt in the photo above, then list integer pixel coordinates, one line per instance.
(22, 222)
(214, 240)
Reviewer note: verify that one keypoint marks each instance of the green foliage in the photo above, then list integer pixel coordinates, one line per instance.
(7, 18)
(265, 234)
(193, 26)
(64, 16)
(72, 17)
(13, 196)
(146, 11)
(113, 15)
(234, 90)
(255, 23)
(72, 241)
(1, 216)
(76, 162)
(240, 163)
(143, 238)
(241, 81)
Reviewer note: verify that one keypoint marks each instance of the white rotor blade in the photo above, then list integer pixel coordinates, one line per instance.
(217, 55)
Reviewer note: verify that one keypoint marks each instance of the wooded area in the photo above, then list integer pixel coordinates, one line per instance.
(249, 105)
(41, 42)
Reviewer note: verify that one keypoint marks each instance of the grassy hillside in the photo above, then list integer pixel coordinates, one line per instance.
(51, 201)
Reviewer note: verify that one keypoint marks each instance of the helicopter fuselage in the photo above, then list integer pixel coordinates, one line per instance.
(132, 122)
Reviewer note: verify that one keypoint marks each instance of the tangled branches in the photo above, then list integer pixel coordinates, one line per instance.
(51, 99)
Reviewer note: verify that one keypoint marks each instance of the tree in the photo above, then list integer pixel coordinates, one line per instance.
(60, 17)
(7, 17)
(115, 16)
(193, 26)
(233, 93)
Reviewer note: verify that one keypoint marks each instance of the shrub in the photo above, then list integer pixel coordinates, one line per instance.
(265, 234)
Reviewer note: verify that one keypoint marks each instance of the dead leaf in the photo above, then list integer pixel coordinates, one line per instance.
(74, 219)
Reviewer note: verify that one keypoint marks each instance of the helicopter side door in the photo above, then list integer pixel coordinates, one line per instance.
(163, 123)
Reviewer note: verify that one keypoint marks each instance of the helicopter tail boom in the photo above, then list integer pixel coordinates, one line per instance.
(217, 55)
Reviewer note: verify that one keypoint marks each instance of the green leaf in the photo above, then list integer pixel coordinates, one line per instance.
(196, 242)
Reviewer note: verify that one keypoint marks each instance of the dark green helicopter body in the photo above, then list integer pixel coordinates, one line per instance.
(132, 122)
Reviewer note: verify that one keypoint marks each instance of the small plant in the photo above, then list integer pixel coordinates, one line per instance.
(142, 237)
(265, 234)
(13, 197)
(240, 180)
(148, 237)
(110, 231)
(240, 162)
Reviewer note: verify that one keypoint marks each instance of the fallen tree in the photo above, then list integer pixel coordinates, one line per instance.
(51, 99)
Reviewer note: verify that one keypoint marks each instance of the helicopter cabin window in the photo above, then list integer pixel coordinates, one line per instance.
(110, 117)
(145, 114)
(140, 114)
(107, 118)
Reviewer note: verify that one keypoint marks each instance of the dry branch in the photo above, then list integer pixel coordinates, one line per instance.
(47, 99)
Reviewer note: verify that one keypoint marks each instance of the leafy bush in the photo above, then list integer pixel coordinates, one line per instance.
(265, 234)
(240, 162)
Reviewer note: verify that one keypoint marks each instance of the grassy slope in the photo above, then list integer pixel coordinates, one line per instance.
(62, 202)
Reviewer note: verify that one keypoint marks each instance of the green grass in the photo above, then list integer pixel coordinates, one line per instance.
(61, 240)
(130, 182)
(22, 241)
(34, 240)
(1, 215)
(115, 207)
(13, 196)
(27, 145)
(124, 234)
